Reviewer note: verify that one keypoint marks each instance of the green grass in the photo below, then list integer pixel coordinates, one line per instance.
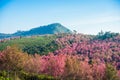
(35, 44)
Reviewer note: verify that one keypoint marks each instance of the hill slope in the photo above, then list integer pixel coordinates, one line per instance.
(48, 29)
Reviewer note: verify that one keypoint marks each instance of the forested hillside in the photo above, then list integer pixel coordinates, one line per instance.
(54, 28)
(61, 57)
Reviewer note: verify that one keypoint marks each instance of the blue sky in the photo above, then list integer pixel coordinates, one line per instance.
(84, 16)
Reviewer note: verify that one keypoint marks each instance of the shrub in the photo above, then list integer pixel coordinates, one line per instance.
(110, 73)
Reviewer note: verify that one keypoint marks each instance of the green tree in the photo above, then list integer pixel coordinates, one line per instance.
(110, 73)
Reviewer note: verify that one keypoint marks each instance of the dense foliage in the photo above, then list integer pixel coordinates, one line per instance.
(77, 57)
(32, 45)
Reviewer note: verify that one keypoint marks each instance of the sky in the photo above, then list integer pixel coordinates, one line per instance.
(84, 16)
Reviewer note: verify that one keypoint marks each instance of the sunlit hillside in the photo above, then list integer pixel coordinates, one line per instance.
(61, 57)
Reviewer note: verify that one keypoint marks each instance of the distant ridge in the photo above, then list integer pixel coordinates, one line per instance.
(42, 30)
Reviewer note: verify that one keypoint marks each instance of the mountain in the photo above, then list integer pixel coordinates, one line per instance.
(2, 35)
(42, 30)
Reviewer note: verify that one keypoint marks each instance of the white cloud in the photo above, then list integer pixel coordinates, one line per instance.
(96, 20)
(94, 26)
